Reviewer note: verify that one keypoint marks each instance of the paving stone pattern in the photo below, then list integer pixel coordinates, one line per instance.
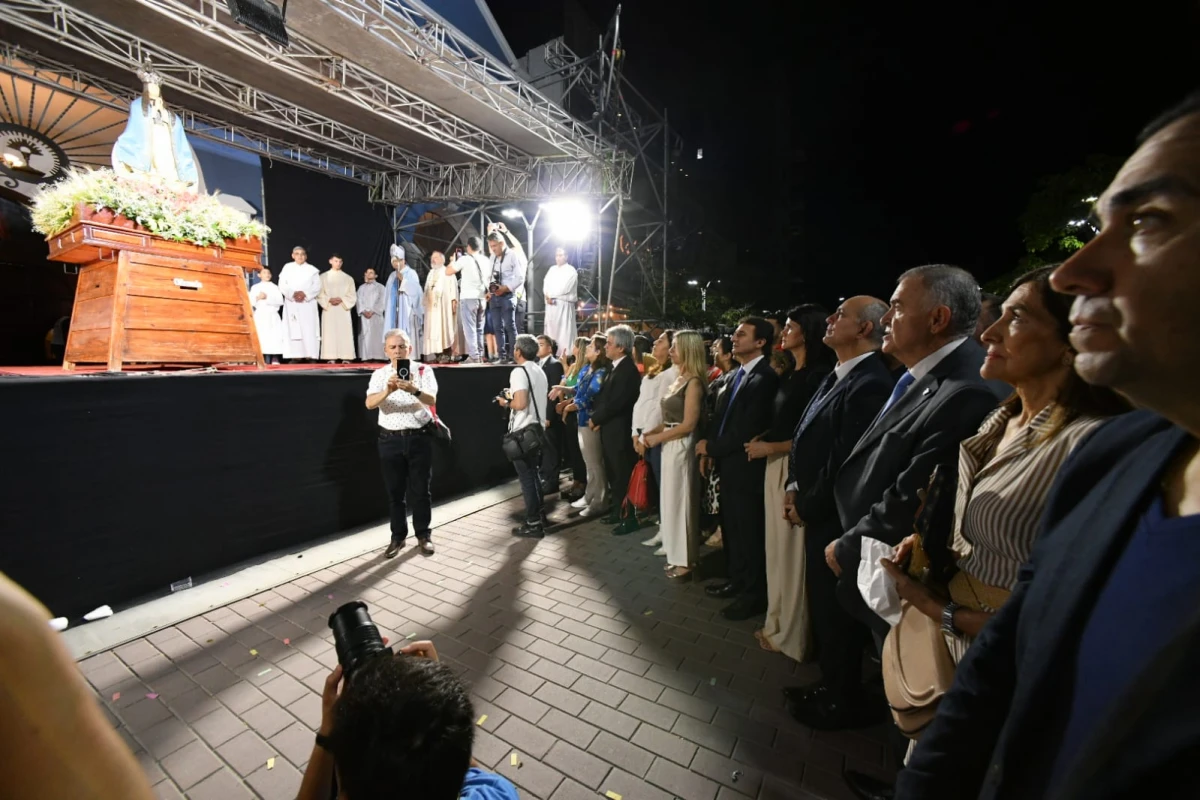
(599, 673)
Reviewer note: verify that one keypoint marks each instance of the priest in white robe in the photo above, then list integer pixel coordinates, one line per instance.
(441, 308)
(372, 303)
(337, 299)
(405, 300)
(561, 291)
(300, 284)
(266, 300)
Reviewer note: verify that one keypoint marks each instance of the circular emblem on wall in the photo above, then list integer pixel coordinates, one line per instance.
(27, 156)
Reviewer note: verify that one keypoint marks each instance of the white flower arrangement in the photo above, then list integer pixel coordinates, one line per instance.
(149, 201)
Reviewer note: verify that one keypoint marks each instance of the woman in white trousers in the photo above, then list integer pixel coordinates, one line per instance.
(679, 501)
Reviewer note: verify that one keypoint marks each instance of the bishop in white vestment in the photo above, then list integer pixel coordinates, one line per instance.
(372, 303)
(300, 284)
(561, 291)
(441, 307)
(405, 300)
(266, 300)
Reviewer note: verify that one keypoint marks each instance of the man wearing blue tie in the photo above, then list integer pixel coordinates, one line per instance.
(743, 411)
(939, 400)
(843, 408)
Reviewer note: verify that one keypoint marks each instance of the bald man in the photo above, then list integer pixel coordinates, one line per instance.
(838, 415)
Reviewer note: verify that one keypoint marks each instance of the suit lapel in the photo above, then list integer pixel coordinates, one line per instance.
(909, 403)
(1082, 566)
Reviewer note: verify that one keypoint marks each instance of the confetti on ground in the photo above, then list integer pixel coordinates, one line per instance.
(208, 641)
(411, 636)
(647, 612)
(264, 672)
(482, 720)
(443, 580)
(287, 641)
(152, 695)
(329, 596)
(116, 696)
(262, 605)
(712, 681)
(253, 652)
(612, 796)
(271, 762)
(514, 760)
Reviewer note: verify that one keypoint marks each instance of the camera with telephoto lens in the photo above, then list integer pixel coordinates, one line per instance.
(355, 637)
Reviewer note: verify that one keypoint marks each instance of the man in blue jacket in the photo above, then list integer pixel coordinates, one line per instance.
(1084, 684)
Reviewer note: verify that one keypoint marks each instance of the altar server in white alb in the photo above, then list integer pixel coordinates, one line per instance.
(441, 308)
(372, 303)
(561, 291)
(266, 300)
(301, 285)
(337, 299)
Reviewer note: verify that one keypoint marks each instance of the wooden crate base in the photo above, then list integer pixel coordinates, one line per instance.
(138, 306)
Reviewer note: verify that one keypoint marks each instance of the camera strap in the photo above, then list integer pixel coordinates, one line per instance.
(532, 398)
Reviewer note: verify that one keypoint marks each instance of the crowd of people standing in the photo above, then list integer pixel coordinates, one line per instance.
(468, 310)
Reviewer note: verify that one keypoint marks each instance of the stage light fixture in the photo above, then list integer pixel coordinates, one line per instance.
(569, 219)
(511, 213)
(262, 17)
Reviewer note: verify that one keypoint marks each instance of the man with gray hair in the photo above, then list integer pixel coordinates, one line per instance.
(526, 399)
(613, 416)
(938, 401)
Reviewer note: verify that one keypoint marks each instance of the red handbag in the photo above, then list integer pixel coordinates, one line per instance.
(638, 495)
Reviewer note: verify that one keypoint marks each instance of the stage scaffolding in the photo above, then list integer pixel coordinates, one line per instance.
(600, 160)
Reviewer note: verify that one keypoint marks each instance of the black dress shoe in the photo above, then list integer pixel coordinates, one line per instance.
(426, 547)
(825, 711)
(392, 549)
(626, 526)
(723, 590)
(744, 608)
(803, 693)
(530, 531)
(867, 788)
(549, 488)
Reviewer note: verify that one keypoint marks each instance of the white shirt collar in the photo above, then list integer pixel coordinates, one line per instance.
(846, 367)
(618, 361)
(749, 365)
(542, 361)
(926, 364)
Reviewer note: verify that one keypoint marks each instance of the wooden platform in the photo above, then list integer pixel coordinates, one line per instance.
(142, 299)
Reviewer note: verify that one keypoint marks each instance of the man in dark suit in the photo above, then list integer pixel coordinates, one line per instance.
(613, 416)
(839, 413)
(551, 455)
(743, 411)
(1083, 686)
(938, 401)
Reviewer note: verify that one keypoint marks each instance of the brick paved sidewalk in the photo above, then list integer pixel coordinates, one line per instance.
(598, 672)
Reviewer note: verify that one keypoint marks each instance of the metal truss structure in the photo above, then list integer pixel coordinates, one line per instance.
(529, 179)
(596, 88)
(72, 81)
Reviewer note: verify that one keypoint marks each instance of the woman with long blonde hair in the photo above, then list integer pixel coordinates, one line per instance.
(682, 406)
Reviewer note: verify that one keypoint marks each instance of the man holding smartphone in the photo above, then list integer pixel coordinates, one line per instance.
(403, 392)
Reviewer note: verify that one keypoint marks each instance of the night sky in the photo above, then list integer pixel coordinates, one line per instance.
(843, 145)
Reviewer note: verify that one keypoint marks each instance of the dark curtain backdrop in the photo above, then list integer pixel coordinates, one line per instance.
(118, 485)
(324, 215)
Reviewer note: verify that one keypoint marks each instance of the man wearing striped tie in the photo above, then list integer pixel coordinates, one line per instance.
(938, 401)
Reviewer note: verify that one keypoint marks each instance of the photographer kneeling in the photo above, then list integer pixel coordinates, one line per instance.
(401, 727)
(526, 400)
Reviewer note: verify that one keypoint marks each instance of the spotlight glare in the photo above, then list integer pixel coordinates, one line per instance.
(570, 220)
(511, 213)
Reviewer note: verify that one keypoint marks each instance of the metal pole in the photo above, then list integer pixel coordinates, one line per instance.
(612, 275)
(666, 232)
(599, 263)
(530, 275)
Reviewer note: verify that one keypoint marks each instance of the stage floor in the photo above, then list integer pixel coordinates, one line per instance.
(119, 484)
(52, 371)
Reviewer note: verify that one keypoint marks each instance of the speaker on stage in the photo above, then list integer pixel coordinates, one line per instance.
(261, 16)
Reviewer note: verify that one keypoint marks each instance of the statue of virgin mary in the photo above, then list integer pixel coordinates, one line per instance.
(153, 141)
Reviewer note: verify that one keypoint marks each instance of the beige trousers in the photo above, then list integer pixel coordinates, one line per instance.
(787, 625)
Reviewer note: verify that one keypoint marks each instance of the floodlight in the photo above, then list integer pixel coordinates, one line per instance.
(569, 219)
(511, 213)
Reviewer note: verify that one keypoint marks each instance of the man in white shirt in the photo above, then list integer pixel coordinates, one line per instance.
(526, 399)
(472, 270)
(404, 391)
(301, 285)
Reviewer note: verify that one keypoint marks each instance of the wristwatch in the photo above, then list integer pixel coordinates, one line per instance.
(324, 743)
(948, 619)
